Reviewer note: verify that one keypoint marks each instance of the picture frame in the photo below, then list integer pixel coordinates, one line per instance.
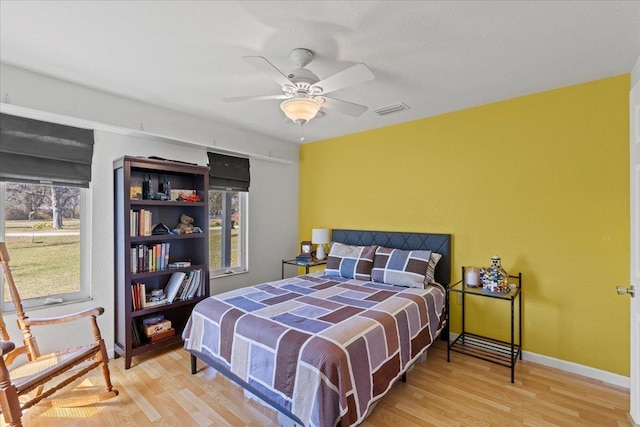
(305, 248)
(135, 191)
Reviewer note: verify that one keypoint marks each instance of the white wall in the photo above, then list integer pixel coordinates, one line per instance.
(273, 195)
(635, 73)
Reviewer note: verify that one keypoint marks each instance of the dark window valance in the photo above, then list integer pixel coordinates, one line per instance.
(35, 151)
(228, 172)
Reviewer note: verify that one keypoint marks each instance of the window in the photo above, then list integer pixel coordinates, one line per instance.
(227, 231)
(45, 171)
(43, 228)
(229, 180)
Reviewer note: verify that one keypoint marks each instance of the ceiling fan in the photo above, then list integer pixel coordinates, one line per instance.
(303, 92)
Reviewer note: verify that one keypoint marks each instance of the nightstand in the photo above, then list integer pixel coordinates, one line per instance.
(306, 265)
(482, 347)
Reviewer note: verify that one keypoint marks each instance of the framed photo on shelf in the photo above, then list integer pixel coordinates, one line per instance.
(135, 192)
(305, 249)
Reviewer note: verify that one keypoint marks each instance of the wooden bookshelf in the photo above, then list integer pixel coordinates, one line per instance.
(129, 173)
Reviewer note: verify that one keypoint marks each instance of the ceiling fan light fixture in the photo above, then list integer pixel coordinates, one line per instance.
(300, 110)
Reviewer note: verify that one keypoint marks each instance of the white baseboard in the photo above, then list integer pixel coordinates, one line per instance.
(574, 368)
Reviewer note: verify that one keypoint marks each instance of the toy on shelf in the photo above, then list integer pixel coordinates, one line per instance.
(494, 278)
(186, 226)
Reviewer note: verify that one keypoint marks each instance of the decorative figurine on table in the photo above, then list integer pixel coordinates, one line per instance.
(494, 278)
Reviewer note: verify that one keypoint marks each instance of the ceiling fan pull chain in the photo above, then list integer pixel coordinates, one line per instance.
(301, 131)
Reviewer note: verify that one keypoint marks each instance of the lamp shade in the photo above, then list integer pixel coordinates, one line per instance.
(300, 110)
(320, 236)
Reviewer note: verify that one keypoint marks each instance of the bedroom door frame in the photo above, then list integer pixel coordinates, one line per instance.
(634, 339)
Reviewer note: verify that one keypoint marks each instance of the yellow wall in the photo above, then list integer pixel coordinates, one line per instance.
(541, 180)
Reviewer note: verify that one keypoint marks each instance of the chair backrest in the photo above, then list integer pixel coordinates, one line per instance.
(4, 261)
(13, 290)
(30, 345)
(38, 371)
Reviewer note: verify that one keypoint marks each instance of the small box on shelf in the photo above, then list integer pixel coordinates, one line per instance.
(156, 328)
(153, 319)
(162, 335)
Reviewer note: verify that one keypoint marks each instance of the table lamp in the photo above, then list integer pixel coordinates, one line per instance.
(320, 237)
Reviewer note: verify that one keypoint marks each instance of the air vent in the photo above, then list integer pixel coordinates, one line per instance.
(389, 109)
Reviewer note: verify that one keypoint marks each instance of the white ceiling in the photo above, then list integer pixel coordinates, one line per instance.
(435, 57)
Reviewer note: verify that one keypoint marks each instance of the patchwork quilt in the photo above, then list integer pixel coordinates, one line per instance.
(325, 348)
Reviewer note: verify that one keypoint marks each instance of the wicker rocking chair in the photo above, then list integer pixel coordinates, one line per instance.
(24, 384)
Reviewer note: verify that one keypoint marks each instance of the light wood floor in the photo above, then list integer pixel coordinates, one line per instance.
(159, 390)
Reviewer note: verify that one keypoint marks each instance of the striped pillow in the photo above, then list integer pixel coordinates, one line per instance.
(431, 269)
(351, 262)
(401, 268)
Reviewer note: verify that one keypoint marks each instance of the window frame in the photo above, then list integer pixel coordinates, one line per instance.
(243, 239)
(84, 292)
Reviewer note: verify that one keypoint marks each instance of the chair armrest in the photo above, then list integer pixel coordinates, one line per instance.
(6, 347)
(93, 312)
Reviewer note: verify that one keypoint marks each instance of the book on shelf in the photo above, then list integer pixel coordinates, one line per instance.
(135, 334)
(188, 288)
(140, 299)
(150, 257)
(133, 253)
(192, 283)
(183, 284)
(173, 285)
(200, 284)
(200, 290)
(304, 260)
(141, 222)
(133, 223)
(137, 295)
(134, 298)
(193, 286)
(180, 264)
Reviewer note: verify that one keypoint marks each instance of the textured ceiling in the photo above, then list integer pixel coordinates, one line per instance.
(435, 57)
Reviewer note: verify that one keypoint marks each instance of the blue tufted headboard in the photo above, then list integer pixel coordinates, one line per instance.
(440, 243)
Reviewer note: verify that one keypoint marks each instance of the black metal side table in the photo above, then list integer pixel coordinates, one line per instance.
(306, 265)
(482, 347)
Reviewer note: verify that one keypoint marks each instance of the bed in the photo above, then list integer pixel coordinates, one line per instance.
(323, 348)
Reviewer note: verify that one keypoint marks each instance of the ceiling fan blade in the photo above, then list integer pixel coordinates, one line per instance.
(268, 68)
(254, 98)
(357, 74)
(344, 107)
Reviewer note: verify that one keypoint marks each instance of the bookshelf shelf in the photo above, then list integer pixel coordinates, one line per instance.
(156, 345)
(166, 271)
(141, 260)
(165, 203)
(167, 237)
(165, 307)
